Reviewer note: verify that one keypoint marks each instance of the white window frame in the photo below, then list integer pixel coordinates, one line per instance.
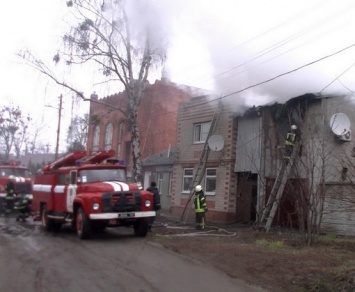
(96, 140)
(211, 174)
(201, 132)
(187, 176)
(159, 180)
(108, 136)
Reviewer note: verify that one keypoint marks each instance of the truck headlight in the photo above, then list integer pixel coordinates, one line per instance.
(147, 203)
(95, 206)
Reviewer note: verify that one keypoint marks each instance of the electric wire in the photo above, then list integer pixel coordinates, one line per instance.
(281, 43)
(277, 76)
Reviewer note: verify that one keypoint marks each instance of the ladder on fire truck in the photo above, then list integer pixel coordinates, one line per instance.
(98, 157)
(273, 202)
(201, 166)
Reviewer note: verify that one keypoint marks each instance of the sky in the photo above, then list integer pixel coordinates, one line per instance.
(250, 51)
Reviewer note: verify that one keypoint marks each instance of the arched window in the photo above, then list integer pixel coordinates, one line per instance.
(108, 136)
(95, 143)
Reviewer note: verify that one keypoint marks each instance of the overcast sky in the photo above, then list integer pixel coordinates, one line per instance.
(225, 45)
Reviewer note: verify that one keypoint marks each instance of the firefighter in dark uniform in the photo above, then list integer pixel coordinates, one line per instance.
(200, 208)
(10, 196)
(289, 143)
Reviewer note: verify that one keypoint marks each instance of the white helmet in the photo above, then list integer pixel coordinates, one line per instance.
(198, 188)
(293, 127)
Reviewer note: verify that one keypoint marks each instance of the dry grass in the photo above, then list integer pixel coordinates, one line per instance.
(277, 260)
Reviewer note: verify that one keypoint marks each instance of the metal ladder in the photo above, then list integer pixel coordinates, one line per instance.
(201, 166)
(272, 205)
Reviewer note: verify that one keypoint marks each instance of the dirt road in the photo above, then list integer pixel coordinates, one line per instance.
(114, 260)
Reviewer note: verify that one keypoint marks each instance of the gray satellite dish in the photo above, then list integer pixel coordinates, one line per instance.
(340, 124)
(216, 142)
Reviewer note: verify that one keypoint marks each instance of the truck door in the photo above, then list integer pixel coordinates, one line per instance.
(71, 190)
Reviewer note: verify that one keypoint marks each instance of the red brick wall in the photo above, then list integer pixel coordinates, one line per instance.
(157, 117)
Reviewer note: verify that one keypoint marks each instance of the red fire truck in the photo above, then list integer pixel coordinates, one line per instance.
(91, 192)
(21, 177)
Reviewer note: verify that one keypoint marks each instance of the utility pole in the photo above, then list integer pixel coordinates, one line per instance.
(58, 130)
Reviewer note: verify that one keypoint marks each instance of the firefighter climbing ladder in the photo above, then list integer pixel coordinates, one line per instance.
(201, 167)
(272, 205)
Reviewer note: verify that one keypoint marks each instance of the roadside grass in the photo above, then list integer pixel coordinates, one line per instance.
(270, 244)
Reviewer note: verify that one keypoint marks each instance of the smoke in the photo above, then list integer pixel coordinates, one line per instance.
(256, 52)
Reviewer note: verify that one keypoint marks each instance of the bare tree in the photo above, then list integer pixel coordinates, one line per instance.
(77, 132)
(13, 129)
(105, 34)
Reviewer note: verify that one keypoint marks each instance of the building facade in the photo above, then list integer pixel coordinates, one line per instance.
(219, 180)
(320, 186)
(157, 121)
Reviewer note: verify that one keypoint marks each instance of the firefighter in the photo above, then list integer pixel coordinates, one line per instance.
(10, 196)
(23, 206)
(200, 208)
(289, 143)
(156, 199)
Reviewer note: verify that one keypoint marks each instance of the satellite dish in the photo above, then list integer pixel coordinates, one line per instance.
(216, 142)
(340, 124)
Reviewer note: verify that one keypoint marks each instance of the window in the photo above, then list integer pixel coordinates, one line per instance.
(95, 144)
(63, 178)
(103, 174)
(201, 131)
(211, 179)
(160, 176)
(187, 180)
(108, 136)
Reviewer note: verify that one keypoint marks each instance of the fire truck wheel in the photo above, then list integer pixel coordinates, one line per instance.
(141, 227)
(82, 225)
(47, 223)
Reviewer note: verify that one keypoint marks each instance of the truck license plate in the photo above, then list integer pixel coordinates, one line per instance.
(125, 215)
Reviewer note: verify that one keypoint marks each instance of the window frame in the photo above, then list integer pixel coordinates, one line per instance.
(189, 176)
(210, 177)
(96, 139)
(108, 136)
(200, 133)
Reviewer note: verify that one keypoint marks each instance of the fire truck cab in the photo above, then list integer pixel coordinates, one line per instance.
(20, 176)
(90, 192)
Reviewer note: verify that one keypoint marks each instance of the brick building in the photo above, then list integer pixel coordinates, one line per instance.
(157, 120)
(219, 179)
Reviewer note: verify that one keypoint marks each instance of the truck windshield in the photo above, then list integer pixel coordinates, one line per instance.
(14, 171)
(91, 175)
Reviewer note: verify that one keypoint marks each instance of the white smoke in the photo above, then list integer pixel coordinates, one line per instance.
(230, 46)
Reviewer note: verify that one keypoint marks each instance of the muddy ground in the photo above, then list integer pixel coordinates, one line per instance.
(277, 260)
(33, 260)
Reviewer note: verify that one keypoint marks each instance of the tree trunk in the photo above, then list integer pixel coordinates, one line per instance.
(135, 140)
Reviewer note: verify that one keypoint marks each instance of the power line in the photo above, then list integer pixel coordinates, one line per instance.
(338, 77)
(281, 43)
(278, 76)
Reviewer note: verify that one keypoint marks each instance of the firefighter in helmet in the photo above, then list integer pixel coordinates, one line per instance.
(289, 143)
(200, 207)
